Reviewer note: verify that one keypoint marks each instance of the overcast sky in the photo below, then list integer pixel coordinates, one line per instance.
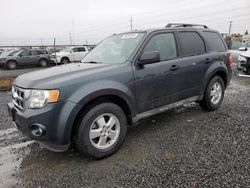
(39, 21)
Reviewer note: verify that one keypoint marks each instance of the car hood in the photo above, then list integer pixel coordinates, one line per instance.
(245, 54)
(59, 76)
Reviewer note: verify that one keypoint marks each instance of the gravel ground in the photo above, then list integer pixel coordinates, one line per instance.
(184, 147)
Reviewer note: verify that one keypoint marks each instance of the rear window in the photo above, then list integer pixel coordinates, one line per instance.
(42, 52)
(82, 49)
(35, 52)
(191, 43)
(214, 42)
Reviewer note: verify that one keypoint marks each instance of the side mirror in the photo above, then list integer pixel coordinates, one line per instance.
(242, 49)
(20, 55)
(149, 58)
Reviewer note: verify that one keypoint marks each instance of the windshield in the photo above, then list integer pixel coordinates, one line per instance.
(13, 53)
(115, 49)
(67, 49)
(6, 53)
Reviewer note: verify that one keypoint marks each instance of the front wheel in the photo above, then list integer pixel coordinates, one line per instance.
(11, 65)
(65, 60)
(101, 131)
(214, 94)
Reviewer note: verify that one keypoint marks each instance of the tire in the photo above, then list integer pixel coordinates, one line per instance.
(65, 60)
(248, 70)
(43, 63)
(214, 94)
(95, 123)
(11, 65)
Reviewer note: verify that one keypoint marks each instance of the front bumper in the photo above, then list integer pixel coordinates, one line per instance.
(2, 63)
(56, 120)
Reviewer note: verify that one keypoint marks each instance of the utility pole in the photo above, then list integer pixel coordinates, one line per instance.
(55, 49)
(70, 38)
(41, 41)
(230, 26)
(73, 34)
(131, 23)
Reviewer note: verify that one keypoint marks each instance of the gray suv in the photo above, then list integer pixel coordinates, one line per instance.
(126, 78)
(26, 57)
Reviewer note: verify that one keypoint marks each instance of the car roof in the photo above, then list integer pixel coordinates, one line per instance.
(186, 28)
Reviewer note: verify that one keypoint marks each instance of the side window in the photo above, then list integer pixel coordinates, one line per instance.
(34, 52)
(191, 43)
(75, 49)
(42, 52)
(26, 53)
(82, 49)
(214, 42)
(163, 43)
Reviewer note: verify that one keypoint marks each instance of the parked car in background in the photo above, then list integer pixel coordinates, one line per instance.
(69, 54)
(26, 57)
(126, 78)
(52, 50)
(9, 53)
(245, 47)
(244, 62)
(234, 50)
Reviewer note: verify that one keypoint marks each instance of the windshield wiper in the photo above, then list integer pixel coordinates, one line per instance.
(93, 62)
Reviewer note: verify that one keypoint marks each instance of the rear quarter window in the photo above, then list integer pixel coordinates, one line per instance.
(191, 43)
(214, 42)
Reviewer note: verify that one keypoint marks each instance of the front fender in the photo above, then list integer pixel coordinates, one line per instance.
(100, 88)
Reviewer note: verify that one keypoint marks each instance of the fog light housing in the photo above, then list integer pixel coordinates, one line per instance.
(37, 130)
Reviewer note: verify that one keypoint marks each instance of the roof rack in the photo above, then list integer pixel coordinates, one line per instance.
(185, 25)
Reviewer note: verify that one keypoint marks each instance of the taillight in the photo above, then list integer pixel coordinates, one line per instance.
(230, 60)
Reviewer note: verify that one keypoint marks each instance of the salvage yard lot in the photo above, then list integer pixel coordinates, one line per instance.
(184, 147)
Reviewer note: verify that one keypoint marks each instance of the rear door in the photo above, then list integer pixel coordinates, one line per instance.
(153, 82)
(35, 56)
(192, 65)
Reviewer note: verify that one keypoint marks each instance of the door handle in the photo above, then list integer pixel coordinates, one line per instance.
(174, 67)
(208, 60)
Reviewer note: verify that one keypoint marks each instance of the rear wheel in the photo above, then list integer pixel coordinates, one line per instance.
(214, 94)
(101, 131)
(11, 65)
(43, 63)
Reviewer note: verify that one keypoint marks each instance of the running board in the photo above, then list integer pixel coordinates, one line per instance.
(164, 108)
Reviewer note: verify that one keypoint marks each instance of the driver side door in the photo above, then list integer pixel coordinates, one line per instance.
(153, 82)
(25, 57)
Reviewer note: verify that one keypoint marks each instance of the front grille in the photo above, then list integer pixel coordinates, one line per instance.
(18, 97)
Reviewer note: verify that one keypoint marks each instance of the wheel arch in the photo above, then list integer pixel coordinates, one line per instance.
(221, 72)
(43, 58)
(11, 60)
(105, 98)
(64, 57)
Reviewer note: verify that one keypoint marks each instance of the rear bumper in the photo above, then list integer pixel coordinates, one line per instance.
(55, 122)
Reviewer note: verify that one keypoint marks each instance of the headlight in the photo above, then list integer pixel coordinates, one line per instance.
(2, 59)
(39, 98)
(241, 58)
